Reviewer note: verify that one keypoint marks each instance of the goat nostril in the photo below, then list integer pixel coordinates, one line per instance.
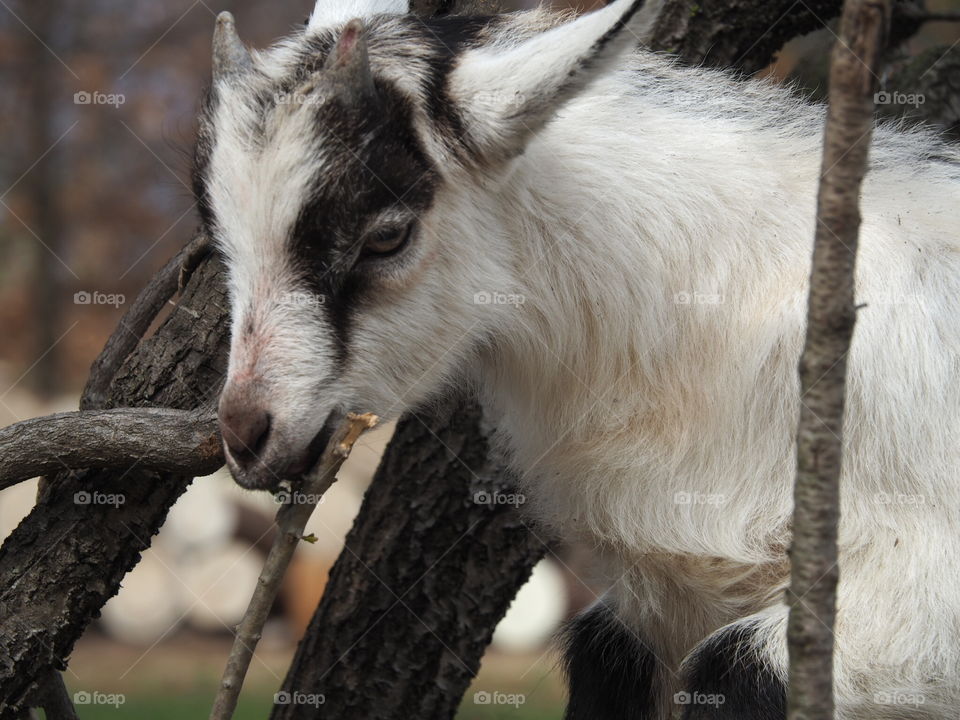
(246, 434)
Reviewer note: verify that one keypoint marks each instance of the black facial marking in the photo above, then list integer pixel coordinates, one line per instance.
(610, 673)
(449, 36)
(375, 162)
(726, 680)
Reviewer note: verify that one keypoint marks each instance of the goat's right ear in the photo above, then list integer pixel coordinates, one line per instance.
(506, 95)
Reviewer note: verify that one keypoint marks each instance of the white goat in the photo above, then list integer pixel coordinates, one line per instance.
(614, 251)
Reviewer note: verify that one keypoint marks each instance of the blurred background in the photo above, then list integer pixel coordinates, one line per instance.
(97, 104)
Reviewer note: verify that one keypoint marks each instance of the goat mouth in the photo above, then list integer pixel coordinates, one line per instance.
(314, 451)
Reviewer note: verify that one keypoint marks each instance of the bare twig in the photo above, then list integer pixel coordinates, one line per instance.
(831, 318)
(291, 520)
(135, 323)
(178, 441)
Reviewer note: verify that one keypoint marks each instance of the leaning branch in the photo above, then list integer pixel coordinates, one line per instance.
(831, 318)
(171, 279)
(291, 519)
(177, 441)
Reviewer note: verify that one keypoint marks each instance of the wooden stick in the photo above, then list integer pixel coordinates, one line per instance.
(831, 316)
(291, 520)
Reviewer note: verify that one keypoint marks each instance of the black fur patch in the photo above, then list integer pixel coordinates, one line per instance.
(610, 672)
(374, 162)
(726, 680)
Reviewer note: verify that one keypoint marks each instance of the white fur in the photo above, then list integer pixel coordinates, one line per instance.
(333, 12)
(659, 431)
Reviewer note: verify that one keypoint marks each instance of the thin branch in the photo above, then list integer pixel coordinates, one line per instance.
(291, 519)
(178, 441)
(135, 323)
(831, 318)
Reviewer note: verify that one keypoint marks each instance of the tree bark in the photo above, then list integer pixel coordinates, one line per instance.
(428, 571)
(742, 34)
(65, 560)
(830, 321)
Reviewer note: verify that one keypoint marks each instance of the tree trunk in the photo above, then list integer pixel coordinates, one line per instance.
(66, 559)
(744, 34)
(427, 573)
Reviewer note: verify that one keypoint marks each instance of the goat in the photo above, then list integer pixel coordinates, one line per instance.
(613, 251)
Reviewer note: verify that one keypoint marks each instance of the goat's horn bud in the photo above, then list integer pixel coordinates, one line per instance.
(348, 66)
(230, 55)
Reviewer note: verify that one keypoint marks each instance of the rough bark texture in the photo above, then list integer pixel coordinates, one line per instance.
(427, 573)
(157, 438)
(65, 560)
(934, 76)
(744, 34)
(831, 318)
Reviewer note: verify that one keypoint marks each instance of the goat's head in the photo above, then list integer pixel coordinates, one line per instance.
(340, 175)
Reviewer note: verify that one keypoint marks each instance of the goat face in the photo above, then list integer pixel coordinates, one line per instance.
(340, 175)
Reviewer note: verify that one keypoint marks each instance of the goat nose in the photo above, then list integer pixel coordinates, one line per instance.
(245, 428)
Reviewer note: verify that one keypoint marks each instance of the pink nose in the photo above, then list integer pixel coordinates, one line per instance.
(244, 423)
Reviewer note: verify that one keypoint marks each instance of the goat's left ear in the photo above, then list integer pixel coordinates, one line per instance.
(506, 95)
(329, 13)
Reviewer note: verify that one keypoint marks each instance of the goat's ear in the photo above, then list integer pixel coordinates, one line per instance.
(506, 95)
(334, 12)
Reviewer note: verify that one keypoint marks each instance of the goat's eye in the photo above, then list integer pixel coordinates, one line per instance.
(387, 242)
